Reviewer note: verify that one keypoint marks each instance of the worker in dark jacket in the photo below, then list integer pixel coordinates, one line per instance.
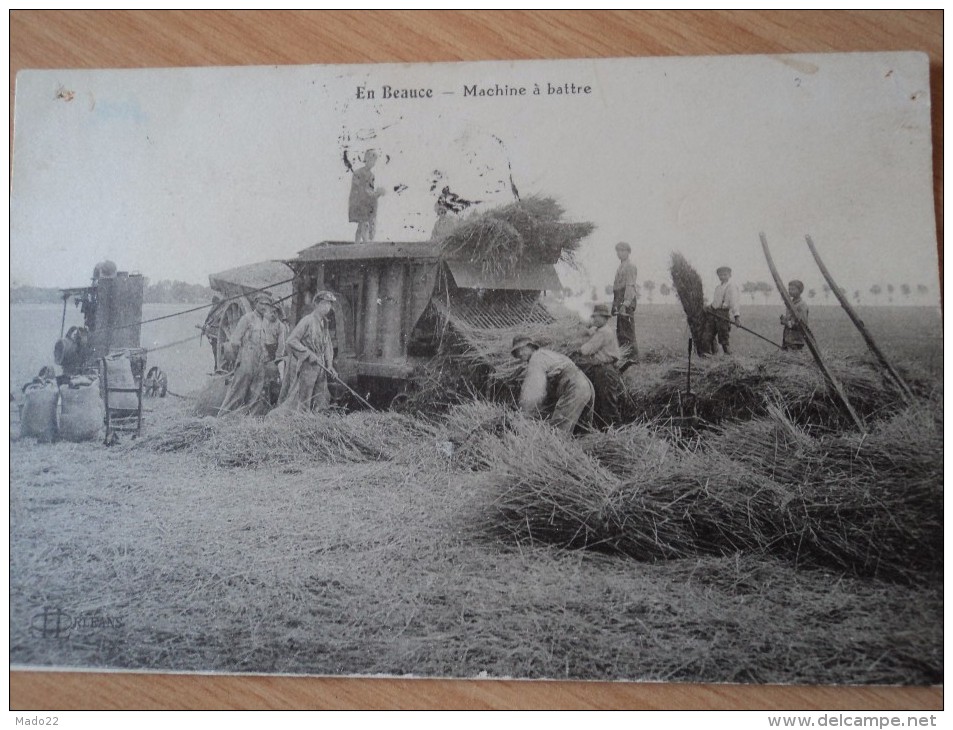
(546, 370)
(259, 338)
(599, 357)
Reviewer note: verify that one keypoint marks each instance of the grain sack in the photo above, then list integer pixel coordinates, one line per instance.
(38, 419)
(119, 375)
(210, 398)
(81, 409)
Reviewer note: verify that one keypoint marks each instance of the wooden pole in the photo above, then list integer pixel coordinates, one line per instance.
(809, 338)
(63, 319)
(689, 383)
(746, 329)
(905, 390)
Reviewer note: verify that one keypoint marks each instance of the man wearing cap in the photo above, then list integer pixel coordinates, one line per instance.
(793, 336)
(724, 309)
(599, 358)
(259, 338)
(305, 387)
(545, 368)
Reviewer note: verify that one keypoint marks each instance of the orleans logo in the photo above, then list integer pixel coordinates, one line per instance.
(52, 623)
(55, 623)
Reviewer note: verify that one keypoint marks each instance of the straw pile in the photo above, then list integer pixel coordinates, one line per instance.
(474, 430)
(870, 507)
(442, 383)
(180, 435)
(491, 347)
(549, 489)
(530, 230)
(552, 490)
(476, 363)
(742, 388)
(296, 438)
(627, 450)
(691, 293)
(870, 504)
(700, 504)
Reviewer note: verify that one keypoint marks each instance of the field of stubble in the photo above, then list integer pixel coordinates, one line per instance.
(391, 561)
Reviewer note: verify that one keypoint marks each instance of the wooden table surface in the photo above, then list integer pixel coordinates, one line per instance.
(109, 39)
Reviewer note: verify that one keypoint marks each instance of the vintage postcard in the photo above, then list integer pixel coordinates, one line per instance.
(616, 369)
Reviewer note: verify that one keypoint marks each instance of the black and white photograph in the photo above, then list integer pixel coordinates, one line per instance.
(603, 369)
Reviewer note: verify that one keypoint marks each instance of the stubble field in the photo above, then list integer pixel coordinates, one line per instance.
(392, 561)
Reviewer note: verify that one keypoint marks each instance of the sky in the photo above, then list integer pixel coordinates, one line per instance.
(179, 173)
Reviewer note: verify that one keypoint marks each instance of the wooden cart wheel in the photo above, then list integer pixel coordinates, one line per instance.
(233, 312)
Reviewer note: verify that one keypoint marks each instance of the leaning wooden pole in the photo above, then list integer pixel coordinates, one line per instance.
(905, 390)
(809, 339)
(63, 319)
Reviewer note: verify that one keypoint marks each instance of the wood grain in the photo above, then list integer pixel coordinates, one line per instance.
(100, 39)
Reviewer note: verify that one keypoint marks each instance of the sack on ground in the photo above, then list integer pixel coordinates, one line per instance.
(210, 398)
(81, 409)
(38, 419)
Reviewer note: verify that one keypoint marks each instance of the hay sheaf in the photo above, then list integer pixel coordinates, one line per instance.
(870, 506)
(529, 230)
(690, 290)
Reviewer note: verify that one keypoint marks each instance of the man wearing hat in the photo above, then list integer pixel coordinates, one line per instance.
(624, 293)
(544, 369)
(599, 358)
(305, 387)
(724, 309)
(793, 336)
(259, 339)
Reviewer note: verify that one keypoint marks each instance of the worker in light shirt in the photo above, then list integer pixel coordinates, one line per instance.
(553, 375)
(724, 309)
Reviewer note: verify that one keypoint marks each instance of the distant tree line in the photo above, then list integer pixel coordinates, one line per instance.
(34, 295)
(173, 292)
(753, 288)
(162, 292)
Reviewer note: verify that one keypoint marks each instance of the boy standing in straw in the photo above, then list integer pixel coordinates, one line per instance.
(362, 204)
(724, 309)
(793, 336)
(624, 293)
